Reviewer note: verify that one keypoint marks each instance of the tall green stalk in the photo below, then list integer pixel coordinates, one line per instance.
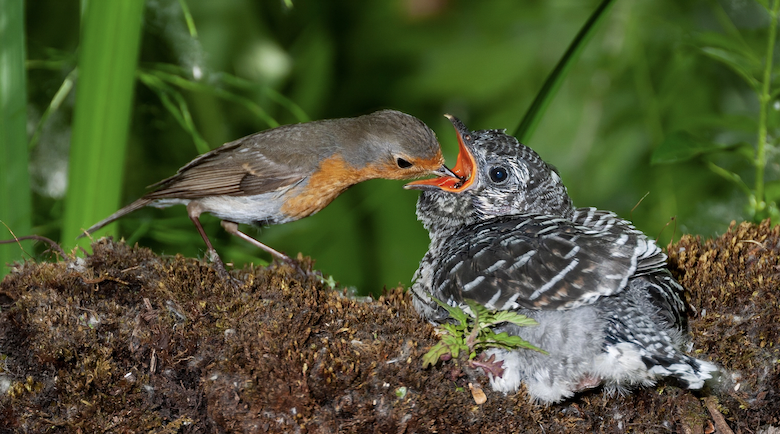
(15, 199)
(764, 99)
(108, 56)
(534, 115)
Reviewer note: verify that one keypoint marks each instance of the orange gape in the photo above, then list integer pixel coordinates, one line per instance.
(465, 170)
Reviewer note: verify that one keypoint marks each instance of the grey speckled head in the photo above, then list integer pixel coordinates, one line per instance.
(499, 176)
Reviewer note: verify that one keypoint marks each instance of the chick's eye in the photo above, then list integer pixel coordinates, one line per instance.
(403, 164)
(498, 175)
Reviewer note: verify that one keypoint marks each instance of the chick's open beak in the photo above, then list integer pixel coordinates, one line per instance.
(458, 178)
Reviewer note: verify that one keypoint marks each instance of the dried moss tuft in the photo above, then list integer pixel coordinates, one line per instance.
(733, 284)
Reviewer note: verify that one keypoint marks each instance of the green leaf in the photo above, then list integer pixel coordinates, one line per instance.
(507, 341)
(514, 318)
(531, 119)
(512, 341)
(453, 329)
(455, 312)
(454, 344)
(730, 49)
(731, 35)
(682, 146)
(736, 62)
(472, 334)
(478, 311)
(434, 354)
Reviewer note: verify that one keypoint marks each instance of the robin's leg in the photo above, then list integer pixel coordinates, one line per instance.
(194, 212)
(232, 228)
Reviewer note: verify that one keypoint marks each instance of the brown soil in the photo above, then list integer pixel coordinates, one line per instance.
(127, 341)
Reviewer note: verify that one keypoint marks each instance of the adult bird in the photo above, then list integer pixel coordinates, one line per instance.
(293, 171)
(504, 234)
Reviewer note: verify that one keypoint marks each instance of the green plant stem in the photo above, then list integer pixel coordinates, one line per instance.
(193, 86)
(473, 337)
(54, 105)
(15, 197)
(731, 176)
(180, 111)
(534, 115)
(188, 18)
(764, 99)
(108, 56)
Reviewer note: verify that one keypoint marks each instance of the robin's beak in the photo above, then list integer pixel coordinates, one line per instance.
(462, 175)
(444, 171)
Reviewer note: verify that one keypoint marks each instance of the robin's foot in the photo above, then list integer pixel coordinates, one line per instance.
(296, 265)
(213, 256)
(232, 228)
(222, 272)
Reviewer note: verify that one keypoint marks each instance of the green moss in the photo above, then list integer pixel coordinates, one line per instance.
(128, 341)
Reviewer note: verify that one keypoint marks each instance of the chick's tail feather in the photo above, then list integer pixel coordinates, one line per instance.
(140, 203)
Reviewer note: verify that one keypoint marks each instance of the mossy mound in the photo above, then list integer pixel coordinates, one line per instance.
(127, 341)
(734, 287)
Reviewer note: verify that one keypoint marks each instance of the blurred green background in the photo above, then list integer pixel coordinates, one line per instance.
(642, 78)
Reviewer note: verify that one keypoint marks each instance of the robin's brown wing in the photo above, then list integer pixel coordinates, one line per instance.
(239, 168)
(539, 262)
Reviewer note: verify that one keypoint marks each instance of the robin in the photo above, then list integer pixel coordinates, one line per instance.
(504, 234)
(293, 171)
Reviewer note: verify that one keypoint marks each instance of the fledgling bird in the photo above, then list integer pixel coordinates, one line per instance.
(504, 233)
(293, 171)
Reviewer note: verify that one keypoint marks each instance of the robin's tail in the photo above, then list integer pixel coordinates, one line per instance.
(140, 203)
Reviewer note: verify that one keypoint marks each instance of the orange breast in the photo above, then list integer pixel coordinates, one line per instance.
(336, 175)
(333, 177)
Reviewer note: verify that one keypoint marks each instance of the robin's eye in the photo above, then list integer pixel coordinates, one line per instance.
(403, 164)
(498, 175)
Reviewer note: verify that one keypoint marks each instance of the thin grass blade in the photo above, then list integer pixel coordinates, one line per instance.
(538, 107)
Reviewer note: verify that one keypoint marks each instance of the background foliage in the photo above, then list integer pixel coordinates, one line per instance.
(647, 78)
